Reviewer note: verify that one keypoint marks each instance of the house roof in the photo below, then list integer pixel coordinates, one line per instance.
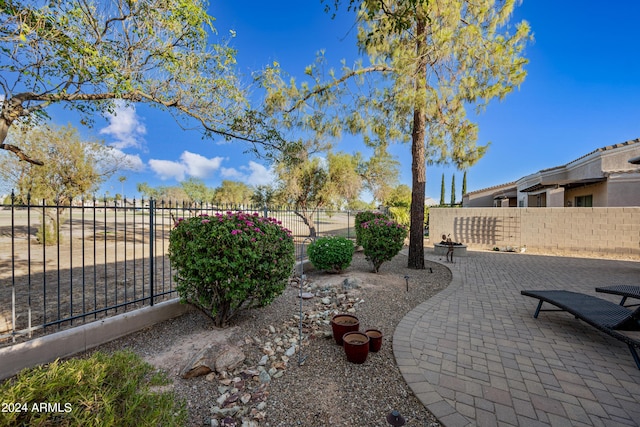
(597, 150)
(494, 188)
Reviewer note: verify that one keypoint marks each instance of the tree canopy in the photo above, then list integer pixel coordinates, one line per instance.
(428, 61)
(87, 54)
(73, 167)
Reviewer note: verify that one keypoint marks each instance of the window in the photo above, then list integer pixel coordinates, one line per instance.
(584, 201)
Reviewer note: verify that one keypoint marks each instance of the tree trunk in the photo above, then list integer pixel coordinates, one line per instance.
(418, 167)
(307, 218)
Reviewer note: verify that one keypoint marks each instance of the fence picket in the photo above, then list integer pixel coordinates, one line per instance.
(133, 244)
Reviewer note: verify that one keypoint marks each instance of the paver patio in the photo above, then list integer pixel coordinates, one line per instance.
(475, 356)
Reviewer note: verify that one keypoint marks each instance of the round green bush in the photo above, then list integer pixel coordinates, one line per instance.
(331, 253)
(382, 239)
(362, 217)
(228, 262)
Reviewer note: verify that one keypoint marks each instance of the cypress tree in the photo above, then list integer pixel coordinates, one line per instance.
(464, 183)
(453, 189)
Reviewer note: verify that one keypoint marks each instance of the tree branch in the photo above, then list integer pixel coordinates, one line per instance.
(18, 152)
(354, 73)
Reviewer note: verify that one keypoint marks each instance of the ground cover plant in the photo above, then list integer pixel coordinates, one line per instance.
(332, 253)
(100, 390)
(230, 262)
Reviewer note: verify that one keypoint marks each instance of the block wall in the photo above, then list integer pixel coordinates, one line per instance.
(587, 231)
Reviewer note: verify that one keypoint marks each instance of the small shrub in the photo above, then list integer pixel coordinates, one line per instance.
(382, 239)
(103, 389)
(228, 262)
(362, 217)
(331, 253)
(48, 234)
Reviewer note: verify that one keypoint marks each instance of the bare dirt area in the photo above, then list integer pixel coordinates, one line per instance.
(282, 384)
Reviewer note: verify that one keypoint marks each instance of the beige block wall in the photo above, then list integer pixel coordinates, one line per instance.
(586, 231)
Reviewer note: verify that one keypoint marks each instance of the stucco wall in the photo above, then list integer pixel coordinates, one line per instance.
(542, 230)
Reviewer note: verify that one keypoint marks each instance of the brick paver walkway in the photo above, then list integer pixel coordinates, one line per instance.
(475, 356)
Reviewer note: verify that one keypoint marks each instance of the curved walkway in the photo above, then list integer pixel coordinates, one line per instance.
(475, 356)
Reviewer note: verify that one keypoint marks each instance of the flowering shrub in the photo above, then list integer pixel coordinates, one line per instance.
(362, 217)
(382, 239)
(331, 253)
(228, 262)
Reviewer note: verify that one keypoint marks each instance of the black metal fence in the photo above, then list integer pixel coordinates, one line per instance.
(65, 265)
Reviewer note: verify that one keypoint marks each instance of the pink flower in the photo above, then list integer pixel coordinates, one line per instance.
(234, 232)
(204, 221)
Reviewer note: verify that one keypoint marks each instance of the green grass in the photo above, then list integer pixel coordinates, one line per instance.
(102, 390)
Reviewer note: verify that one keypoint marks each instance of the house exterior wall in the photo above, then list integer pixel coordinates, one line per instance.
(585, 231)
(623, 189)
(599, 192)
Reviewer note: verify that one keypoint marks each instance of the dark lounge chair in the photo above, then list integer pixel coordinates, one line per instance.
(604, 315)
(625, 291)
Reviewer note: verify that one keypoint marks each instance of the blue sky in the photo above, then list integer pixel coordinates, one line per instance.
(582, 92)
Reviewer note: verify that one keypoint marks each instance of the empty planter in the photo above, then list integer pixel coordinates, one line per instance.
(356, 346)
(375, 339)
(343, 323)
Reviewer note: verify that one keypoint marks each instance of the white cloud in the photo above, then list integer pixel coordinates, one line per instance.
(125, 127)
(130, 162)
(190, 164)
(231, 173)
(166, 169)
(199, 166)
(258, 174)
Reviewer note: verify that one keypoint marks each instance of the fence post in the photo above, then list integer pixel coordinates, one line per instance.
(13, 269)
(151, 242)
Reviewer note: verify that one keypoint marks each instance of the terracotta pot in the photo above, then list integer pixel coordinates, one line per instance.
(375, 339)
(356, 346)
(343, 323)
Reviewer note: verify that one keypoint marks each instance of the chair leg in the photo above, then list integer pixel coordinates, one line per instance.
(535, 316)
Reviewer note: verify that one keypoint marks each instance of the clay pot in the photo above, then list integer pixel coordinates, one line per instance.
(356, 346)
(375, 339)
(343, 323)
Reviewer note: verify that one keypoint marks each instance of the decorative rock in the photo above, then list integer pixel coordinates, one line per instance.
(263, 360)
(230, 358)
(290, 351)
(228, 422)
(264, 377)
(219, 358)
(202, 363)
(306, 295)
(223, 397)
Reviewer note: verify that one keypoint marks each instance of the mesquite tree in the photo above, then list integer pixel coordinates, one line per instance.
(88, 55)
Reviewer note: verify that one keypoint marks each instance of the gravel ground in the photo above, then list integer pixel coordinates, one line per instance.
(271, 388)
